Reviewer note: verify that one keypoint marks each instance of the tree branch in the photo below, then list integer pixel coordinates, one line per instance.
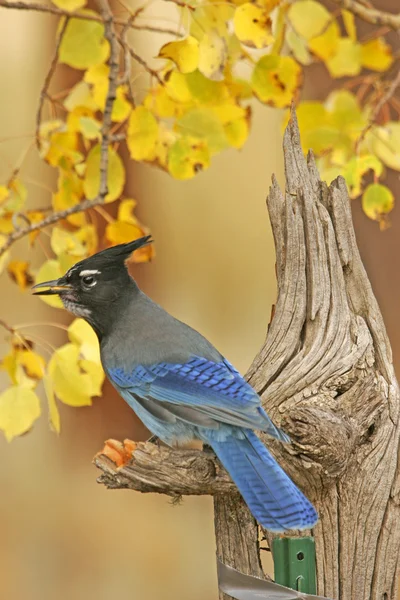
(44, 92)
(54, 10)
(371, 15)
(159, 469)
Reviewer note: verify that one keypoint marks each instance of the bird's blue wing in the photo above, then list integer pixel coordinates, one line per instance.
(200, 392)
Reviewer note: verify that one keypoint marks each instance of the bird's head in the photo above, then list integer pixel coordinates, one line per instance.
(92, 287)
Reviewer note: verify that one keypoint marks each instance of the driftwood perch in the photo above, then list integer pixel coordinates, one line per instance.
(325, 374)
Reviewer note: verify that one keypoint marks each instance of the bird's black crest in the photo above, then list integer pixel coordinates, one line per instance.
(122, 251)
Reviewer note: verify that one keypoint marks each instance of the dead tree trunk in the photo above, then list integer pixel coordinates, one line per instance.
(326, 375)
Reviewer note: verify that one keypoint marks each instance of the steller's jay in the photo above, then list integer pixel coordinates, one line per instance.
(179, 385)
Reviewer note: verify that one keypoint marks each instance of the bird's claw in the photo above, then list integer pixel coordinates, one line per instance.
(119, 452)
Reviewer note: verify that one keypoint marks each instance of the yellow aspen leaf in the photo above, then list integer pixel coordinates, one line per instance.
(184, 53)
(165, 140)
(83, 44)
(309, 18)
(4, 193)
(66, 261)
(97, 77)
(187, 157)
(115, 174)
(32, 362)
(87, 235)
(66, 241)
(203, 123)
(121, 232)
(121, 107)
(176, 87)
(325, 46)
(54, 413)
(70, 5)
(345, 113)
(70, 191)
(356, 168)
(142, 134)
(19, 409)
(253, 25)
(62, 149)
(125, 211)
(5, 257)
(15, 199)
(160, 103)
(385, 143)
(237, 131)
(275, 79)
(48, 271)
(376, 55)
(212, 56)
(90, 128)
(350, 24)
(316, 130)
(82, 335)
(347, 59)
(6, 224)
(70, 383)
(377, 201)
(19, 272)
(212, 16)
(95, 373)
(298, 46)
(80, 97)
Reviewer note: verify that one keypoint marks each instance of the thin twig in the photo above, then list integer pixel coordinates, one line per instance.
(110, 35)
(54, 10)
(371, 15)
(144, 64)
(126, 77)
(382, 102)
(45, 89)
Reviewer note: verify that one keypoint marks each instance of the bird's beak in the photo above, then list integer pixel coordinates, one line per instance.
(57, 286)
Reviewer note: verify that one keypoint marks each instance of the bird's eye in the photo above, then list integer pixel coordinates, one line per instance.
(88, 281)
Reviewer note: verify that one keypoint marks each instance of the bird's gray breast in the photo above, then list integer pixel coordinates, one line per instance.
(145, 334)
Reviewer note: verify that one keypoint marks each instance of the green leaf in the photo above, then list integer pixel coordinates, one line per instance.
(186, 157)
(202, 123)
(377, 201)
(115, 174)
(83, 44)
(355, 170)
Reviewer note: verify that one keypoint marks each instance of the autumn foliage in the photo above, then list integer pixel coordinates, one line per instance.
(197, 103)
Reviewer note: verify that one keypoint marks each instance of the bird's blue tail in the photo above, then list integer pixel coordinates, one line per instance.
(271, 495)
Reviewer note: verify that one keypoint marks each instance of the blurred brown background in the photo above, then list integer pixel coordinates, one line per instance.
(62, 535)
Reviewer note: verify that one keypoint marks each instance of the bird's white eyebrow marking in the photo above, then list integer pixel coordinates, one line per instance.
(89, 272)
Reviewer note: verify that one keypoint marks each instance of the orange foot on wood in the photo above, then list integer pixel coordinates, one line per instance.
(119, 452)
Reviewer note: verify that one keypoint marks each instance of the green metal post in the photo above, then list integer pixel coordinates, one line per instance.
(294, 563)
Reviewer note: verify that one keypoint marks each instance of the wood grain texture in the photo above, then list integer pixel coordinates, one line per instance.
(325, 374)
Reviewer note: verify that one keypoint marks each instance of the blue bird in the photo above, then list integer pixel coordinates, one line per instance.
(178, 384)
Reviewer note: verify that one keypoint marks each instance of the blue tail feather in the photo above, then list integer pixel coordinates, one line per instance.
(273, 498)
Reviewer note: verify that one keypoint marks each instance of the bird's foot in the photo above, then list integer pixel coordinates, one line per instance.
(119, 452)
(154, 440)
